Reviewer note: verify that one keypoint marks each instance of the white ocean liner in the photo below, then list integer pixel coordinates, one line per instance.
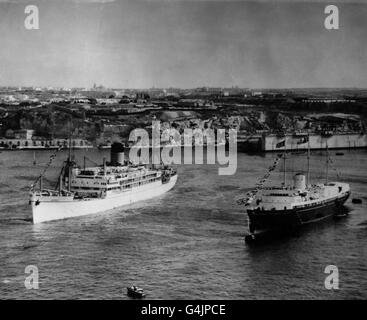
(97, 189)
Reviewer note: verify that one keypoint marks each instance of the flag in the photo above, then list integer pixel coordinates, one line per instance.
(280, 144)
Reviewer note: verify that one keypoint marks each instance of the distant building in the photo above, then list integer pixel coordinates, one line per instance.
(191, 102)
(108, 101)
(257, 93)
(57, 100)
(326, 100)
(25, 134)
(9, 134)
(41, 143)
(79, 100)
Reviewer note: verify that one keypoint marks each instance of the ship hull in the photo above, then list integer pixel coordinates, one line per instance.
(316, 142)
(287, 220)
(43, 210)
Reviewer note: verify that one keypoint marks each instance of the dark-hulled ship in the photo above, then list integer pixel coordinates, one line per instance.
(285, 207)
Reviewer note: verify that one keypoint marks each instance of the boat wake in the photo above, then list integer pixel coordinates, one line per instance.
(15, 220)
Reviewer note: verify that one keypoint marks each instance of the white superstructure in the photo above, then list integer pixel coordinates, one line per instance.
(98, 189)
(299, 196)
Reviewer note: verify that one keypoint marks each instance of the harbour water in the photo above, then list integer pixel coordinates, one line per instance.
(187, 244)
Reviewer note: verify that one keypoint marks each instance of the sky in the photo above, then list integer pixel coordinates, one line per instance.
(182, 43)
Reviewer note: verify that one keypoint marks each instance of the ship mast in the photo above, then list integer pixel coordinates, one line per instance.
(308, 161)
(69, 158)
(284, 161)
(327, 164)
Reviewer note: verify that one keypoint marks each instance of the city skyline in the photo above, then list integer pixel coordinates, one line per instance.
(182, 44)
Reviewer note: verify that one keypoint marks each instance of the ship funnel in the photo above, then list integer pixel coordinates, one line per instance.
(299, 182)
(117, 154)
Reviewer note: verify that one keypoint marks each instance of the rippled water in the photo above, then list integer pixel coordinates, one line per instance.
(187, 244)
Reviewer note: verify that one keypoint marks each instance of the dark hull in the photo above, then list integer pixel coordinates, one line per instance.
(135, 294)
(288, 220)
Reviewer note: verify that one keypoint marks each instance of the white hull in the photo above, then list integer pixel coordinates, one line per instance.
(52, 209)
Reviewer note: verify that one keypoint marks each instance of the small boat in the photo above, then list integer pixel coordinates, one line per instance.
(339, 154)
(135, 292)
